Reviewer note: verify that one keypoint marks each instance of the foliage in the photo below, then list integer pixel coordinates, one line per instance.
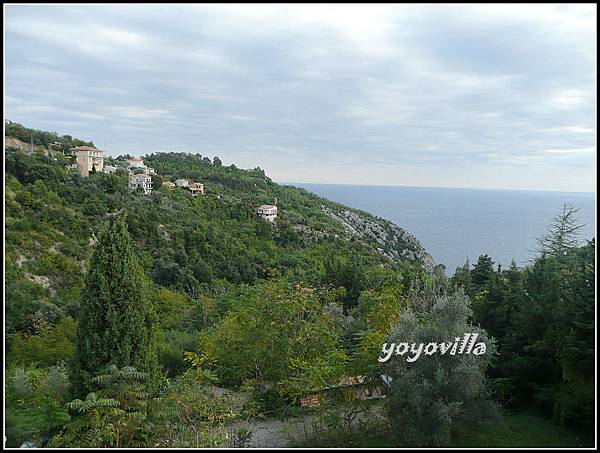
(543, 319)
(51, 345)
(115, 416)
(429, 396)
(117, 318)
(34, 404)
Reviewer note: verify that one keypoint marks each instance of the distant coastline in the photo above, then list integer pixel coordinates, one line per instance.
(456, 224)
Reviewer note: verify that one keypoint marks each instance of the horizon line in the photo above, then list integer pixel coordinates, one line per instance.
(287, 183)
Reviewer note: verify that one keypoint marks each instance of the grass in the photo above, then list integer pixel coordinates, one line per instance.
(523, 429)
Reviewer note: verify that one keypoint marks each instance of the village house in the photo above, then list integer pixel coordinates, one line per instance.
(267, 212)
(140, 181)
(109, 169)
(196, 188)
(89, 158)
(135, 162)
(182, 182)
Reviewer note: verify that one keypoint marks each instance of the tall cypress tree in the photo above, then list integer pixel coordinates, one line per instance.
(117, 317)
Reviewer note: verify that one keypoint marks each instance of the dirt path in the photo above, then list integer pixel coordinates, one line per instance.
(293, 431)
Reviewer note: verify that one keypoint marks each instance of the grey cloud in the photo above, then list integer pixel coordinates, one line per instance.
(396, 86)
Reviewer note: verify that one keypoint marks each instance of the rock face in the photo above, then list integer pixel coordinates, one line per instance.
(392, 241)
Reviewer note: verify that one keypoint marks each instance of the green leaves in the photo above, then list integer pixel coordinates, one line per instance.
(117, 317)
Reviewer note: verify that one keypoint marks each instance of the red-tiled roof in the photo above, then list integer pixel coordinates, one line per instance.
(86, 148)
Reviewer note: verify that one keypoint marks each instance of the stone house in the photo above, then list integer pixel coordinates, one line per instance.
(89, 158)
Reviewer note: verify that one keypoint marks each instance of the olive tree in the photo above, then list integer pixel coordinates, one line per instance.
(430, 395)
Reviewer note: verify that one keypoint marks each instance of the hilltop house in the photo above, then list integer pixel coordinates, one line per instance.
(140, 181)
(138, 163)
(196, 188)
(109, 169)
(135, 162)
(267, 212)
(88, 158)
(182, 182)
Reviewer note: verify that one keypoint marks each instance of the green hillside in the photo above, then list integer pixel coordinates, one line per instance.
(166, 319)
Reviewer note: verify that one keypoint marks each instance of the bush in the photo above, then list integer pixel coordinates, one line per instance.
(430, 395)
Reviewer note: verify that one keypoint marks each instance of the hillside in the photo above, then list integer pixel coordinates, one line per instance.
(232, 321)
(53, 215)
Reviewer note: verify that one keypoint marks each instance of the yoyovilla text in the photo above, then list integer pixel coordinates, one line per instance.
(465, 345)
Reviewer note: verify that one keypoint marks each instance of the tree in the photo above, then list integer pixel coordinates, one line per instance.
(115, 416)
(428, 396)
(117, 318)
(482, 271)
(562, 235)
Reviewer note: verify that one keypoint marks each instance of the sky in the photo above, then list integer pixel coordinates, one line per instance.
(478, 96)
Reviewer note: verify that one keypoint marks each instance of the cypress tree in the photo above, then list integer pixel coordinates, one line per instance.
(117, 317)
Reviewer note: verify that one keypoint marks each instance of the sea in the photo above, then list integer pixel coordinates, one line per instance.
(456, 225)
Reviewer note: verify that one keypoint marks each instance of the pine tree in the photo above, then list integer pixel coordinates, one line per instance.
(563, 234)
(117, 317)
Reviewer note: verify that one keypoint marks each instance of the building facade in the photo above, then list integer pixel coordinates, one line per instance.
(109, 169)
(267, 212)
(140, 181)
(89, 158)
(196, 188)
(135, 162)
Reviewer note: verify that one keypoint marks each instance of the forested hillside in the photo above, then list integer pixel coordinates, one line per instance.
(272, 311)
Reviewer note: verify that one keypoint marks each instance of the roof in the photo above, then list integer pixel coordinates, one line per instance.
(196, 185)
(85, 148)
(351, 380)
(139, 176)
(136, 158)
(268, 206)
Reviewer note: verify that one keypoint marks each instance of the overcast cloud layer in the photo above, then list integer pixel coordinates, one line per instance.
(471, 96)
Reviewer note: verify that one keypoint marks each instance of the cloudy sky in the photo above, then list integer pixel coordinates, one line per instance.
(451, 96)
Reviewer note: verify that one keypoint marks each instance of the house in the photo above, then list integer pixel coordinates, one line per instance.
(168, 184)
(196, 188)
(89, 158)
(109, 169)
(140, 181)
(135, 162)
(267, 212)
(182, 183)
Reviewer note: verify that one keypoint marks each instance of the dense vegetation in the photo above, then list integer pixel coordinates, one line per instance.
(123, 311)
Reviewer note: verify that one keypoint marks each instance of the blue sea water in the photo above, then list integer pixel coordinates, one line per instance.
(459, 224)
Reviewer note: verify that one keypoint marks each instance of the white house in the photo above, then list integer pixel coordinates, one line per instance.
(182, 182)
(140, 180)
(109, 169)
(135, 162)
(267, 212)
